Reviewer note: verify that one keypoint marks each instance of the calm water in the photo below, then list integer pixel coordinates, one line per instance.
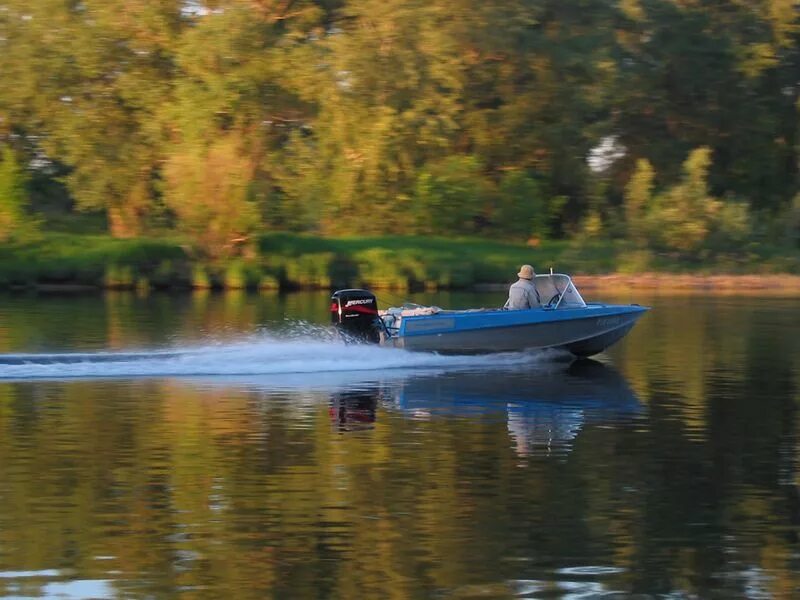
(267, 461)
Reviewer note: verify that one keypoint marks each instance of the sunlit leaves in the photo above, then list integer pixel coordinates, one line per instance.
(343, 106)
(638, 195)
(210, 191)
(13, 197)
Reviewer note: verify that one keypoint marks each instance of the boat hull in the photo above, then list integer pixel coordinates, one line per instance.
(581, 331)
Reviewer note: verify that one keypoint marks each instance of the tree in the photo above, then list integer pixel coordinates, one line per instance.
(344, 112)
(449, 197)
(638, 196)
(385, 86)
(538, 77)
(13, 197)
(210, 191)
(230, 116)
(86, 81)
(716, 74)
(682, 216)
(521, 210)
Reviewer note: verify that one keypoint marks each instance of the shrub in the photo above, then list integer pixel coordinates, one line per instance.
(730, 227)
(679, 219)
(235, 277)
(452, 274)
(167, 274)
(120, 277)
(635, 261)
(14, 223)
(310, 270)
(268, 283)
(638, 197)
(379, 268)
(200, 278)
(519, 207)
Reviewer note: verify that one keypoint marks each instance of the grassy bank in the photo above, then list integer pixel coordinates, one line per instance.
(61, 259)
(286, 261)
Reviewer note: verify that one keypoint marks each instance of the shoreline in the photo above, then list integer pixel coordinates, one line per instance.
(71, 263)
(780, 284)
(677, 281)
(776, 284)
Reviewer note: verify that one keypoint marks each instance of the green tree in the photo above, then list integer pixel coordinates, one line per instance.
(87, 82)
(14, 224)
(538, 78)
(230, 116)
(638, 196)
(385, 86)
(519, 209)
(716, 74)
(210, 191)
(682, 216)
(450, 197)
(344, 110)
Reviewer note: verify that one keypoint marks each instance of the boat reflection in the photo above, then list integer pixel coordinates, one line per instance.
(544, 410)
(544, 404)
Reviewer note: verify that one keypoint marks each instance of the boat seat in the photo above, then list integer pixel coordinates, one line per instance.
(416, 311)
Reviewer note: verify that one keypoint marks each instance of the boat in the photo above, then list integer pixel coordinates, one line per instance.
(564, 321)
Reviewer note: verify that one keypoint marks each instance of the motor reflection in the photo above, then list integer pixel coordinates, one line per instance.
(355, 410)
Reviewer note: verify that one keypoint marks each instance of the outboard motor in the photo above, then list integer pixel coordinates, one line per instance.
(355, 314)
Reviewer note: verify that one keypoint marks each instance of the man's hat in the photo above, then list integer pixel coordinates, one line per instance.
(526, 272)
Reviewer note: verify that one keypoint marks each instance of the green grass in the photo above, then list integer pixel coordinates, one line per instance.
(431, 262)
(403, 261)
(94, 260)
(288, 261)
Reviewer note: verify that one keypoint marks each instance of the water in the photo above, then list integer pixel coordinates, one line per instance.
(230, 452)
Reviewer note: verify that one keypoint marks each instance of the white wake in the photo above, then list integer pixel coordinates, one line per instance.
(260, 356)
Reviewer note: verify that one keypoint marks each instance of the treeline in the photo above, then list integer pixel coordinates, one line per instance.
(670, 123)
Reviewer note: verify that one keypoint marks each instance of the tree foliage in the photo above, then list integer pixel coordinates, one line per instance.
(403, 116)
(210, 191)
(685, 218)
(14, 223)
(638, 197)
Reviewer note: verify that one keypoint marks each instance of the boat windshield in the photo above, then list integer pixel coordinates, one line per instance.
(558, 291)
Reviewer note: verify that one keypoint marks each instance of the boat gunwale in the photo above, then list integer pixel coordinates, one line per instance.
(544, 315)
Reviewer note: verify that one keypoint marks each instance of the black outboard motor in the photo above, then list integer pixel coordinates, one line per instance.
(355, 314)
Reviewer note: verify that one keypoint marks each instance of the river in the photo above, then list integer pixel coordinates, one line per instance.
(244, 453)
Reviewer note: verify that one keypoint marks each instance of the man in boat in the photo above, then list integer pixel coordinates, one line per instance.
(523, 294)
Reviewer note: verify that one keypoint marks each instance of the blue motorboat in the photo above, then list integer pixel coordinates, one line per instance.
(564, 321)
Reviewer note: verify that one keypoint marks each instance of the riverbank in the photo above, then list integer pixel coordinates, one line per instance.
(680, 283)
(657, 283)
(671, 282)
(60, 262)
